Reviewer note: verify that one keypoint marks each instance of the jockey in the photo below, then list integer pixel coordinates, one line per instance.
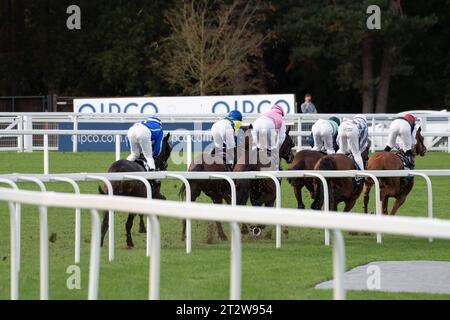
(225, 133)
(325, 134)
(146, 136)
(269, 133)
(404, 128)
(353, 137)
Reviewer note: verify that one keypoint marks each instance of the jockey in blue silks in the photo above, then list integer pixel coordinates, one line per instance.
(225, 134)
(146, 136)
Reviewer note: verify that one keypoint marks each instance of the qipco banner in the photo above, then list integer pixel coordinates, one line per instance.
(251, 104)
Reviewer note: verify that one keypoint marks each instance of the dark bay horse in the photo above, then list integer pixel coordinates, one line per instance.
(261, 192)
(304, 160)
(340, 189)
(217, 190)
(394, 187)
(135, 188)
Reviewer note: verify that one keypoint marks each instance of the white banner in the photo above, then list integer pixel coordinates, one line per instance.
(249, 104)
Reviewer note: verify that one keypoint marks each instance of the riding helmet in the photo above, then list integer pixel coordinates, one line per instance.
(279, 108)
(235, 115)
(335, 119)
(410, 117)
(361, 116)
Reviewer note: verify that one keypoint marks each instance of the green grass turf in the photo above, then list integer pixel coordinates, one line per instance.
(288, 273)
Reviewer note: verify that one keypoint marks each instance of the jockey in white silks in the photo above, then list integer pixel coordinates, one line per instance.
(269, 133)
(146, 136)
(325, 133)
(225, 133)
(405, 129)
(353, 137)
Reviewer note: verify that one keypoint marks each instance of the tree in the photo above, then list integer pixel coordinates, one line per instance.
(334, 34)
(215, 48)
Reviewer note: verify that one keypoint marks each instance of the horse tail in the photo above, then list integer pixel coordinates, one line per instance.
(182, 192)
(325, 163)
(296, 181)
(101, 191)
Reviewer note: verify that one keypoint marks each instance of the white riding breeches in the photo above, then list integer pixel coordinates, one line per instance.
(401, 129)
(348, 141)
(223, 134)
(140, 138)
(323, 136)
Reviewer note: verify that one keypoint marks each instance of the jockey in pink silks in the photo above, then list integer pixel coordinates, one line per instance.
(269, 133)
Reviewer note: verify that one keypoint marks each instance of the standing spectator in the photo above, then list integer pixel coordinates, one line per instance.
(308, 106)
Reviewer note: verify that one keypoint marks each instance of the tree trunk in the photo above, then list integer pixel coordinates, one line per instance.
(385, 80)
(368, 92)
(395, 7)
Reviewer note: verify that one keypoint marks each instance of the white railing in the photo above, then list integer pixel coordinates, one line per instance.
(107, 178)
(184, 133)
(418, 227)
(435, 124)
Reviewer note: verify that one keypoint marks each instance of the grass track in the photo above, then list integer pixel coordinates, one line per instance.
(289, 273)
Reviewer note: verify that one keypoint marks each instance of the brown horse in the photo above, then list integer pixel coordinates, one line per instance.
(135, 188)
(394, 187)
(304, 160)
(217, 190)
(261, 192)
(345, 190)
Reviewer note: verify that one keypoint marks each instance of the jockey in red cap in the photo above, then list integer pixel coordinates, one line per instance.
(405, 129)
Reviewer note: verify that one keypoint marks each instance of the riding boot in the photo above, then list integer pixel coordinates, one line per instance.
(387, 149)
(410, 160)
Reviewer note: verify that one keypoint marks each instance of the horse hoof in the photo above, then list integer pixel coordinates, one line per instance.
(224, 238)
(130, 247)
(142, 230)
(352, 233)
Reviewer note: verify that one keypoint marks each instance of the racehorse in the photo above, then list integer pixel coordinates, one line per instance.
(304, 160)
(345, 190)
(135, 188)
(217, 190)
(394, 187)
(262, 192)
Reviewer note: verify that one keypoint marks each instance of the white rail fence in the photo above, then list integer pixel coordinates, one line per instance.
(184, 177)
(436, 126)
(418, 227)
(119, 133)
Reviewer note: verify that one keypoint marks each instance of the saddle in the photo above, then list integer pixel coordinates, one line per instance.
(143, 164)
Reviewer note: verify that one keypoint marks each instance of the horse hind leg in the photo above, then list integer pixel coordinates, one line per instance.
(128, 227)
(397, 204)
(366, 192)
(104, 227)
(142, 228)
(298, 196)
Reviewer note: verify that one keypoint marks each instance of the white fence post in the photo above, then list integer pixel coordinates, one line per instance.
(187, 187)
(46, 155)
(429, 194)
(43, 240)
(14, 252)
(154, 276)
(28, 139)
(236, 250)
(75, 137)
(277, 203)
(118, 150)
(94, 261)
(76, 190)
(148, 189)
(189, 150)
(110, 215)
(326, 200)
(338, 266)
